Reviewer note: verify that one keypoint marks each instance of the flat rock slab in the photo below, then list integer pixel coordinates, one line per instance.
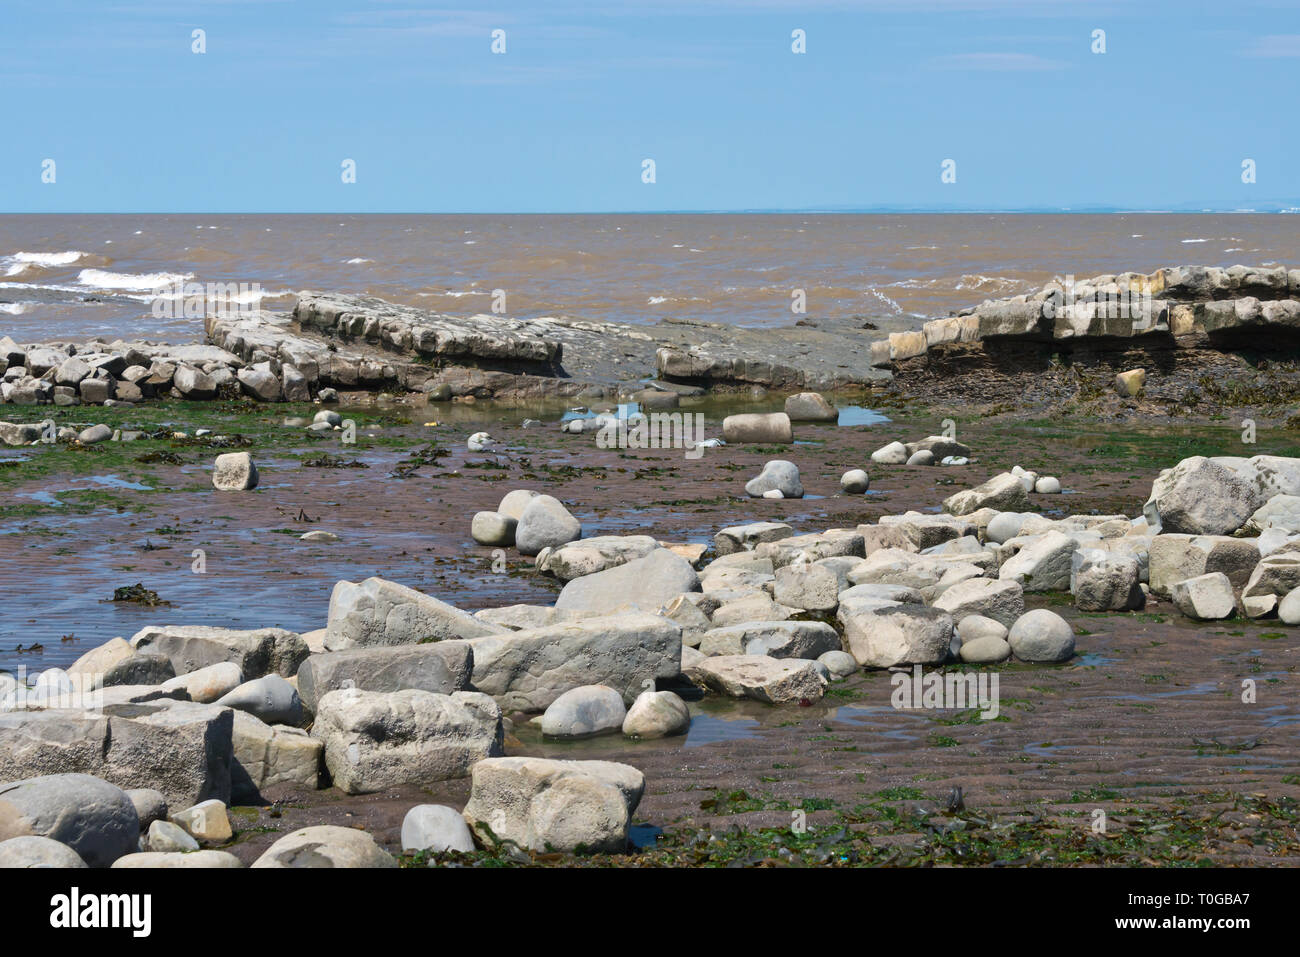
(375, 741)
(257, 652)
(527, 670)
(440, 667)
(180, 748)
(770, 680)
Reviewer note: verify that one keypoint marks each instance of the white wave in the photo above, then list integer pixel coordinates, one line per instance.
(978, 281)
(36, 285)
(146, 282)
(660, 300)
(1185, 241)
(357, 261)
(13, 308)
(48, 259)
(886, 300)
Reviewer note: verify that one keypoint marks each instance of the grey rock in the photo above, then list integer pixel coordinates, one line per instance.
(326, 845)
(1205, 597)
(380, 612)
(644, 584)
(776, 639)
(1004, 492)
(436, 828)
(1042, 636)
(527, 670)
(1001, 601)
(269, 698)
(139, 669)
(376, 740)
(1288, 609)
(657, 714)
(191, 860)
(584, 711)
(180, 748)
(439, 667)
(234, 472)
(895, 453)
(761, 678)
(165, 837)
(545, 523)
(1043, 564)
(1102, 581)
(758, 427)
(256, 652)
(840, 664)
(36, 851)
(778, 475)
(208, 684)
(590, 555)
(810, 407)
(493, 528)
(1200, 496)
(150, 805)
(92, 817)
(545, 805)
(260, 384)
(514, 503)
(267, 756)
(740, 538)
(1004, 526)
(855, 481)
(1175, 558)
(193, 384)
(884, 635)
(985, 650)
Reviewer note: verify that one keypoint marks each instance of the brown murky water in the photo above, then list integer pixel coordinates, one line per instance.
(78, 276)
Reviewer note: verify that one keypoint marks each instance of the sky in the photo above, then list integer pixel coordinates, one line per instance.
(711, 91)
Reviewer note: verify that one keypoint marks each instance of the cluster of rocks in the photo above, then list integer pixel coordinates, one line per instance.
(400, 688)
(931, 450)
(122, 373)
(1182, 305)
(330, 342)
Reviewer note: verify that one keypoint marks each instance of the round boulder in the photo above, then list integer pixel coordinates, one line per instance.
(33, 851)
(777, 475)
(545, 523)
(435, 827)
(326, 845)
(855, 481)
(588, 710)
(657, 714)
(1042, 636)
(94, 818)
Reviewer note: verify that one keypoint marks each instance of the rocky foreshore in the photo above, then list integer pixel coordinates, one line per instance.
(332, 342)
(135, 755)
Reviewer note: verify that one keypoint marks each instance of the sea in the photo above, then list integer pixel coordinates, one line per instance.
(71, 277)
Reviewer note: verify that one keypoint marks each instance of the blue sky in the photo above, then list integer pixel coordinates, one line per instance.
(708, 89)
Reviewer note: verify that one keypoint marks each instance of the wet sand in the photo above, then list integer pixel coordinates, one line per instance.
(1147, 717)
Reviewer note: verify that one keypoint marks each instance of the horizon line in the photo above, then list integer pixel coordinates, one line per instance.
(1269, 210)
